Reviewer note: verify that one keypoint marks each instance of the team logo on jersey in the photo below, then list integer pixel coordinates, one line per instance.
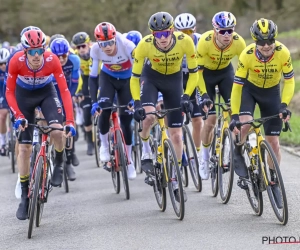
(192, 56)
(156, 60)
(236, 37)
(208, 38)
(148, 40)
(22, 58)
(180, 37)
(212, 58)
(49, 58)
(256, 70)
(240, 64)
(115, 67)
(250, 51)
(278, 48)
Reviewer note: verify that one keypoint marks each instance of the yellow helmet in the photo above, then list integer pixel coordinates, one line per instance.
(263, 29)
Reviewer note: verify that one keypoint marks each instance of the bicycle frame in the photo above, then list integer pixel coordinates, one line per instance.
(42, 153)
(116, 126)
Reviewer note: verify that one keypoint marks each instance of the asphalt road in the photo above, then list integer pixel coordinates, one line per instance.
(92, 216)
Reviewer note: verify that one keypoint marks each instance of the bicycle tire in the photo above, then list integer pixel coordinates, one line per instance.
(253, 193)
(12, 148)
(65, 177)
(97, 142)
(159, 187)
(34, 195)
(225, 190)
(123, 163)
(137, 149)
(192, 159)
(214, 165)
(171, 165)
(265, 147)
(115, 176)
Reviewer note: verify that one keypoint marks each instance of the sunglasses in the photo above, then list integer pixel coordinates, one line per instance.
(160, 34)
(81, 46)
(224, 32)
(264, 42)
(4, 63)
(64, 56)
(107, 43)
(32, 52)
(187, 31)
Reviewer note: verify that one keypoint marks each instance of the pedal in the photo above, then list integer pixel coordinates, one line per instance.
(107, 166)
(242, 184)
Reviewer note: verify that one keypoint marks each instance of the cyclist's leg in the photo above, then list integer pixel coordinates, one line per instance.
(86, 105)
(248, 101)
(124, 97)
(53, 112)
(27, 103)
(269, 104)
(149, 95)
(107, 94)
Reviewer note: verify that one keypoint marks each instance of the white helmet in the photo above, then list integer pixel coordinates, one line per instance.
(185, 21)
(4, 55)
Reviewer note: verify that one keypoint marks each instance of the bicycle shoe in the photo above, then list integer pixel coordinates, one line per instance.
(240, 167)
(70, 172)
(22, 212)
(176, 195)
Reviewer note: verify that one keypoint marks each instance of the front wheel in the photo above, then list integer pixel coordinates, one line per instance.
(123, 163)
(159, 187)
(225, 170)
(214, 165)
(174, 179)
(34, 194)
(274, 182)
(96, 140)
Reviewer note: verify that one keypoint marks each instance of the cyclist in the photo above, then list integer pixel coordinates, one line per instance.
(4, 55)
(82, 42)
(186, 23)
(134, 36)
(164, 49)
(29, 85)
(216, 48)
(71, 65)
(257, 81)
(116, 54)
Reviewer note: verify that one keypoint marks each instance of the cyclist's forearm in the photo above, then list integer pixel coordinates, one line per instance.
(93, 85)
(288, 90)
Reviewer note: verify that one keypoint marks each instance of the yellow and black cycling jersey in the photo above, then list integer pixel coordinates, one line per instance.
(263, 74)
(165, 62)
(210, 56)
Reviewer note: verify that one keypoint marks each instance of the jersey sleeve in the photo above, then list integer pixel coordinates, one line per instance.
(239, 80)
(289, 80)
(192, 63)
(201, 53)
(63, 90)
(95, 61)
(12, 75)
(139, 56)
(130, 47)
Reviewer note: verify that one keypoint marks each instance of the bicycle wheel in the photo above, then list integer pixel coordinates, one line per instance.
(251, 187)
(115, 176)
(174, 179)
(12, 144)
(214, 165)
(192, 158)
(159, 187)
(65, 180)
(274, 185)
(225, 170)
(34, 193)
(123, 163)
(96, 141)
(137, 149)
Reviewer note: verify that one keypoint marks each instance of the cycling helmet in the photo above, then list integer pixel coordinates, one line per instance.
(60, 46)
(160, 21)
(80, 38)
(29, 28)
(33, 39)
(54, 37)
(223, 20)
(4, 55)
(6, 45)
(185, 21)
(263, 29)
(105, 31)
(134, 36)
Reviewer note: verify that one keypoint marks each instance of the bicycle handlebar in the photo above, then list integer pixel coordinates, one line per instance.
(112, 107)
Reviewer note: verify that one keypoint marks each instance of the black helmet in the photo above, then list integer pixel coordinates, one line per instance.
(263, 29)
(160, 21)
(80, 38)
(54, 37)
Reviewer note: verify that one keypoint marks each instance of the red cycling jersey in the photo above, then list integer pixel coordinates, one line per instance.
(20, 73)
